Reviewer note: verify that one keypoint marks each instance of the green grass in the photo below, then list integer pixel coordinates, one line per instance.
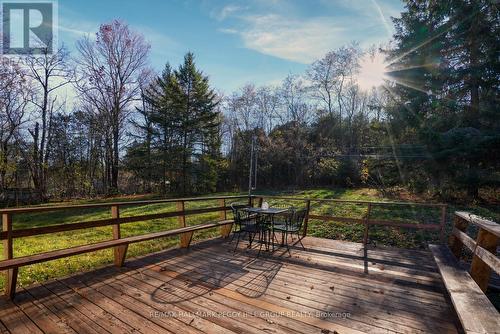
(353, 232)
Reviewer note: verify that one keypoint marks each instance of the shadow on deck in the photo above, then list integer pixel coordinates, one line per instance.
(331, 287)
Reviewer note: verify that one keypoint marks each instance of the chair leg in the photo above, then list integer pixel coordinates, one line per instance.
(234, 234)
(275, 238)
(260, 242)
(300, 240)
(286, 243)
(237, 241)
(251, 237)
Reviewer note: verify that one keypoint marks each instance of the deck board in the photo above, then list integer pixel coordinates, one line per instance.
(209, 288)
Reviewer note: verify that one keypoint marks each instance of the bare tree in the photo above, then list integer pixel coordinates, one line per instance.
(15, 94)
(48, 72)
(294, 100)
(110, 69)
(268, 104)
(242, 107)
(330, 75)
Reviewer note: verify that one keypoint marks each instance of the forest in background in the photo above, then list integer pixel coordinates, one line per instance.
(431, 128)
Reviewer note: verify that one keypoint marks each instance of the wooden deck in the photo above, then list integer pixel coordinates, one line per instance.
(332, 287)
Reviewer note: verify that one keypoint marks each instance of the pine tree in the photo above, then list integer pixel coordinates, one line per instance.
(196, 117)
(186, 125)
(446, 68)
(162, 115)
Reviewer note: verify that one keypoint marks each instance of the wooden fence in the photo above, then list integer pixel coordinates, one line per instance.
(119, 244)
(367, 220)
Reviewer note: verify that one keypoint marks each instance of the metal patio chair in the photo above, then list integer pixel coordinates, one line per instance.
(250, 224)
(291, 226)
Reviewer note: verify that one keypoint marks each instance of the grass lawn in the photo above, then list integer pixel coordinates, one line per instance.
(65, 266)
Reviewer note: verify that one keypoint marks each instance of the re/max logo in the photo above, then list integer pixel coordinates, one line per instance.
(28, 27)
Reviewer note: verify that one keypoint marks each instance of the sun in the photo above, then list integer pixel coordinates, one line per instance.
(372, 72)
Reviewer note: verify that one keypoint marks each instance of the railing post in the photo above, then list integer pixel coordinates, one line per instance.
(8, 253)
(443, 223)
(261, 199)
(250, 201)
(306, 219)
(367, 224)
(455, 243)
(185, 238)
(119, 251)
(480, 271)
(225, 230)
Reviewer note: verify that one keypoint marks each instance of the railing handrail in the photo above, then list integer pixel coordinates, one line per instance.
(119, 244)
(483, 223)
(313, 199)
(366, 219)
(48, 208)
(8, 234)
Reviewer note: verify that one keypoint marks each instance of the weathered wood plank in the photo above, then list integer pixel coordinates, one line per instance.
(95, 313)
(271, 293)
(40, 315)
(485, 224)
(480, 271)
(26, 232)
(333, 200)
(76, 320)
(402, 297)
(15, 320)
(8, 254)
(109, 204)
(456, 245)
(52, 255)
(473, 308)
(464, 239)
(361, 311)
(189, 260)
(489, 258)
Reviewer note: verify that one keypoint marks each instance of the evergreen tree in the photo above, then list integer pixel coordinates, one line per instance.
(446, 68)
(196, 118)
(160, 96)
(186, 127)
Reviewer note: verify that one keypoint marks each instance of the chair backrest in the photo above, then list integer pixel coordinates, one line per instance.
(234, 208)
(287, 215)
(298, 218)
(240, 216)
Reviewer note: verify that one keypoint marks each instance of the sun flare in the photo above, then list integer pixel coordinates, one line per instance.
(372, 72)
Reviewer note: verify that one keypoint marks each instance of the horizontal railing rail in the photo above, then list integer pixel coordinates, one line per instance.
(483, 248)
(350, 201)
(33, 231)
(8, 233)
(47, 208)
(119, 244)
(366, 219)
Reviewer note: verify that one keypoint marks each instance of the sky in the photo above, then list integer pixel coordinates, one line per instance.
(237, 42)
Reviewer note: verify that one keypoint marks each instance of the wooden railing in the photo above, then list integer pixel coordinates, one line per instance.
(484, 258)
(8, 234)
(119, 244)
(367, 219)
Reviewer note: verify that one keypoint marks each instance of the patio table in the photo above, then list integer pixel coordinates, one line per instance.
(270, 212)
